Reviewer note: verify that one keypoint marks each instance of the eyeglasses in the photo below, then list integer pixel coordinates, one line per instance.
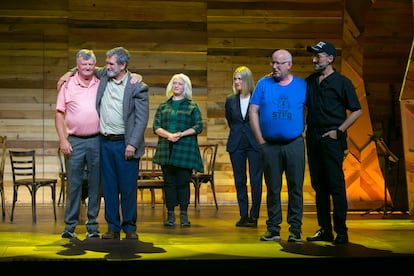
(272, 63)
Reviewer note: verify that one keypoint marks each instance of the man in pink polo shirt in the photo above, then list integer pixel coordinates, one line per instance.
(77, 125)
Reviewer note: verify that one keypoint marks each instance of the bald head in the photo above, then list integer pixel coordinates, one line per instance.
(281, 65)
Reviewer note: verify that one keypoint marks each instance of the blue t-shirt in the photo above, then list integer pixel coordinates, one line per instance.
(281, 108)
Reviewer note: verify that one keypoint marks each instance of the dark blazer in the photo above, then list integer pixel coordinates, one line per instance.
(135, 110)
(237, 124)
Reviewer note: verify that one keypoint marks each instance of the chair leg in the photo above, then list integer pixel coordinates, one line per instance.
(214, 193)
(62, 192)
(3, 212)
(14, 203)
(152, 198)
(34, 205)
(197, 195)
(53, 188)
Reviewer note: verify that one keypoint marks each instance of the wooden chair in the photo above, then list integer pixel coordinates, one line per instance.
(150, 174)
(63, 177)
(23, 165)
(208, 153)
(3, 143)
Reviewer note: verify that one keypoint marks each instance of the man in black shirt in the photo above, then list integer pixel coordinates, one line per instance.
(329, 97)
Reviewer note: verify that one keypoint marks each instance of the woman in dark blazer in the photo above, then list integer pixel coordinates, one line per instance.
(243, 149)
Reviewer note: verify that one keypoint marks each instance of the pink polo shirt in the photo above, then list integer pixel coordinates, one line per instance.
(78, 101)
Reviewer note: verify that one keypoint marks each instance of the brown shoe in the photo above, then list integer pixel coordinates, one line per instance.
(110, 235)
(131, 235)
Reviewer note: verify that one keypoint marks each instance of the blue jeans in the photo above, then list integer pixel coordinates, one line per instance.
(119, 186)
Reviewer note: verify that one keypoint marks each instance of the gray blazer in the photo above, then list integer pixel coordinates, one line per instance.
(135, 110)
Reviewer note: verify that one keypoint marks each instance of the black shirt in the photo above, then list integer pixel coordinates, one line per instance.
(328, 101)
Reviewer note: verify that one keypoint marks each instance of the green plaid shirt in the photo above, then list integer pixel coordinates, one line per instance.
(185, 152)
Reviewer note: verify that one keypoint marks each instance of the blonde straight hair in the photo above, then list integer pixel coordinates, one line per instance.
(247, 78)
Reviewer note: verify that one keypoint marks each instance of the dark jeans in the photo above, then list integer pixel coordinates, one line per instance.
(119, 186)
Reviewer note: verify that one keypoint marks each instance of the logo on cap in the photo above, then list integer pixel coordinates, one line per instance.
(323, 46)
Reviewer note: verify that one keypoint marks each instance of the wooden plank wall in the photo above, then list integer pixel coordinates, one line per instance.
(205, 39)
(247, 34)
(407, 113)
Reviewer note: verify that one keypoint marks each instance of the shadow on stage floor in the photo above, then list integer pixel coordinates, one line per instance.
(213, 241)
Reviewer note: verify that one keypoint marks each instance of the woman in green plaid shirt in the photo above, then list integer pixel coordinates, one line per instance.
(177, 122)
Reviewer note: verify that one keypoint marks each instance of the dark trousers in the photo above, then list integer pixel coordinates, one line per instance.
(86, 153)
(240, 158)
(325, 159)
(284, 159)
(176, 187)
(119, 186)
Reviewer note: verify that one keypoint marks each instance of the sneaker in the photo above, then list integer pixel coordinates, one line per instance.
(68, 235)
(294, 237)
(93, 235)
(269, 236)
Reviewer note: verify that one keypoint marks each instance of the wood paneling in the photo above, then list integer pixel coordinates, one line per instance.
(205, 39)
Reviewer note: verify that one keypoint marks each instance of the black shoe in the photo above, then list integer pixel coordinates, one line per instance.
(243, 222)
(321, 235)
(253, 222)
(131, 235)
(111, 235)
(341, 239)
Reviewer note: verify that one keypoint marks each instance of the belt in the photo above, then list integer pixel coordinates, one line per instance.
(84, 136)
(114, 137)
(281, 142)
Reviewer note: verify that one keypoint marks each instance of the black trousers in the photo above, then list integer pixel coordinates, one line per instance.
(325, 160)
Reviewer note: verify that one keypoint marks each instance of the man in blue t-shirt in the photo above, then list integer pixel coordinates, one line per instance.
(277, 120)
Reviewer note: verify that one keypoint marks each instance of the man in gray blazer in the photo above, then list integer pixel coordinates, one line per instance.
(124, 111)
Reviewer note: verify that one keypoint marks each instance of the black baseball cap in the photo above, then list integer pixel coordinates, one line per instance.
(323, 47)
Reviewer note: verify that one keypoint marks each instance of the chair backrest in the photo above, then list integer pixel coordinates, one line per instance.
(3, 143)
(62, 163)
(148, 169)
(23, 164)
(209, 153)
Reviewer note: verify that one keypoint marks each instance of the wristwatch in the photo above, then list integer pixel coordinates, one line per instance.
(339, 133)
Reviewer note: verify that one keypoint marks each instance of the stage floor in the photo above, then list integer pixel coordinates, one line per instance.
(212, 238)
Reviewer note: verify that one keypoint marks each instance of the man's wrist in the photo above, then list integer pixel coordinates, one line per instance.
(339, 133)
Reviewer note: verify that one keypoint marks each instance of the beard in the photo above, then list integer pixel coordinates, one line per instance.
(319, 67)
(112, 73)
